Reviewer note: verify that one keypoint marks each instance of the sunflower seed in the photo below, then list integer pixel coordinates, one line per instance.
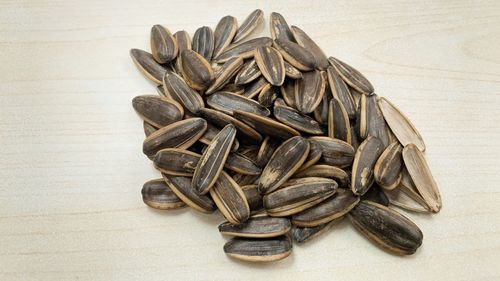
(183, 43)
(246, 179)
(313, 157)
(292, 72)
(266, 150)
(362, 167)
(279, 28)
(407, 198)
(355, 142)
(227, 72)
(294, 199)
(248, 73)
(266, 125)
(196, 70)
(321, 111)
(148, 128)
(400, 125)
(147, 65)
(213, 159)
(181, 134)
(163, 44)
(304, 234)
(249, 151)
(257, 227)
(307, 180)
(211, 132)
(387, 170)
(249, 24)
(157, 111)
(230, 199)
(334, 152)
(203, 42)
(181, 186)
(156, 194)
(295, 119)
(339, 126)
(305, 41)
(255, 87)
(325, 171)
(422, 177)
(352, 76)
(224, 34)
(220, 119)
(268, 95)
(309, 91)
(242, 164)
(254, 198)
(271, 65)
(340, 91)
(259, 250)
(332, 208)
(377, 195)
(227, 102)
(386, 228)
(176, 88)
(371, 121)
(286, 159)
(295, 54)
(288, 93)
(176, 162)
(235, 89)
(244, 50)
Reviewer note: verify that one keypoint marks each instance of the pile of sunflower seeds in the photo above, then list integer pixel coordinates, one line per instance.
(281, 139)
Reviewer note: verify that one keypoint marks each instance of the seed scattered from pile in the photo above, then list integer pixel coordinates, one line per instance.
(278, 137)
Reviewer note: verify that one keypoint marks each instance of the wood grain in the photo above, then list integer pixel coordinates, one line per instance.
(70, 142)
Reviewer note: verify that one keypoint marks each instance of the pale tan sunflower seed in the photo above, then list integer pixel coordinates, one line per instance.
(352, 76)
(279, 27)
(295, 54)
(227, 72)
(230, 199)
(163, 44)
(371, 121)
(213, 160)
(296, 198)
(362, 168)
(297, 120)
(227, 102)
(248, 73)
(292, 72)
(332, 208)
(176, 88)
(176, 162)
(386, 228)
(203, 42)
(148, 128)
(339, 126)
(387, 170)
(181, 186)
(196, 70)
(148, 66)
(400, 125)
(255, 87)
(406, 196)
(334, 152)
(305, 41)
(422, 177)
(266, 125)
(377, 195)
(309, 91)
(221, 119)
(304, 234)
(249, 24)
(259, 250)
(156, 194)
(157, 111)
(271, 65)
(181, 134)
(257, 227)
(254, 198)
(268, 95)
(286, 159)
(244, 50)
(266, 150)
(340, 91)
(224, 33)
(325, 171)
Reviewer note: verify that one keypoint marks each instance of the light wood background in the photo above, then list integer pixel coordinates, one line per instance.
(71, 166)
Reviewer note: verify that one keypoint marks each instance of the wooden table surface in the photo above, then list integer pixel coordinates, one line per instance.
(70, 142)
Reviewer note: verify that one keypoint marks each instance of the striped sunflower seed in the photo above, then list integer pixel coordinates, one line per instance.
(266, 150)
(227, 102)
(309, 91)
(271, 65)
(266, 125)
(332, 208)
(294, 199)
(163, 44)
(230, 199)
(156, 194)
(406, 196)
(304, 234)
(371, 121)
(387, 170)
(377, 195)
(220, 119)
(249, 25)
(227, 72)
(386, 228)
(352, 76)
(313, 157)
(211, 132)
(291, 71)
(147, 65)
(243, 180)
(259, 250)
(295, 54)
(307, 180)
(279, 28)
(181, 134)
(334, 152)
(339, 126)
(321, 111)
(287, 91)
(340, 91)
(244, 50)
(248, 73)
(176, 162)
(257, 227)
(176, 88)
(183, 43)
(305, 41)
(325, 171)
(181, 186)
(203, 42)
(213, 160)
(254, 198)
(235, 89)
(157, 111)
(422, 177)
(268, 95)
(364, 161)
(196, 70)
(224, 33)
(255, 87)
(148, 128)
(242, 164)
(295, 119)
